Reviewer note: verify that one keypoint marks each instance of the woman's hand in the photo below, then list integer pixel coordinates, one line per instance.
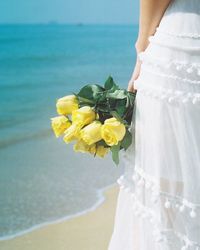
(135, 75)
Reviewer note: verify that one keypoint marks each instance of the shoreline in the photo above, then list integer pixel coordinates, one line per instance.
(101, 198)
(92, 230)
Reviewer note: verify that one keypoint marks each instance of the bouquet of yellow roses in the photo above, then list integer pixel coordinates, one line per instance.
(98, 119)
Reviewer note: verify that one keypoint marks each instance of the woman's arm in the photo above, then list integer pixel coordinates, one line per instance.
(151, 12)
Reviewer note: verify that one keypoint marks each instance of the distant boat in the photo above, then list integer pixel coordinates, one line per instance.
(79, 24)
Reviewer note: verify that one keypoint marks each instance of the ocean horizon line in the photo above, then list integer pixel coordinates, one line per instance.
(63, 24)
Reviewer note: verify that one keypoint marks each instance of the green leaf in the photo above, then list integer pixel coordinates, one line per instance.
(110, 84)
(121, 110)
(120, 107)
(117, 94)
(115, 153)
(127, 140)
(91, 91)
(85, 101)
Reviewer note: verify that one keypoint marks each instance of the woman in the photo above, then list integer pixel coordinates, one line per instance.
(159, 199)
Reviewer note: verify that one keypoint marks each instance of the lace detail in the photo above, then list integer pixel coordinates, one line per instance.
(169, 95)
(178, 47)
(174, 77)
(144, 212)
(178, 65)
(150, 183)
(182, 35)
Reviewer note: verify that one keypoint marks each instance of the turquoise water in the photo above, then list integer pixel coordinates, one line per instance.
(41, 178)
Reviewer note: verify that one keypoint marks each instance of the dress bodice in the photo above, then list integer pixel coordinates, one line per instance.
(182, 18)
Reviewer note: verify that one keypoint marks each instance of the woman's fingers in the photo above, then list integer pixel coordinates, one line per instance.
(131, 86)
(134, 76)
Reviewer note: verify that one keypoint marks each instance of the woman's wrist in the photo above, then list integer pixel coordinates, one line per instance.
(141, 45)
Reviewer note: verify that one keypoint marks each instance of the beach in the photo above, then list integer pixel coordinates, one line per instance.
(91, 231)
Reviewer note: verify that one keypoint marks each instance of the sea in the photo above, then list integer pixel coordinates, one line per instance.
(41, 179)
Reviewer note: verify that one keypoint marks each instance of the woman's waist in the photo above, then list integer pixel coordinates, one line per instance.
(191, 6)
(181, 19)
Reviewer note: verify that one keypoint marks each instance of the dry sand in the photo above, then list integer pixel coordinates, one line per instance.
(91, 231)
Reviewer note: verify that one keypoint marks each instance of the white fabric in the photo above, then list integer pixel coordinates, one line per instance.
(159, 200)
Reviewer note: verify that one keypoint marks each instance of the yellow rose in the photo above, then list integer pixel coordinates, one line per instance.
(72, 133)
(93, 149)
(67, 104)
(91, 133)
(82, 147)
(112, 131)
(83, 116)
(60, 124)
(101, 151)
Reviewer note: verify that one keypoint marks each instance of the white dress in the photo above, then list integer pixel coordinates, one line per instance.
(159, 199)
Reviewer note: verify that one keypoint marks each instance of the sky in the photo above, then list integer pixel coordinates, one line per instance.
(69, 11)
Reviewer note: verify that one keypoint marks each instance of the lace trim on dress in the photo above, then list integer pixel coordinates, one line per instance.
(141, 179)
(174, 77)
(186, 35)
(170, 95)
(160, 235)
(152, 183)
(152, 39)
(178, 65)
